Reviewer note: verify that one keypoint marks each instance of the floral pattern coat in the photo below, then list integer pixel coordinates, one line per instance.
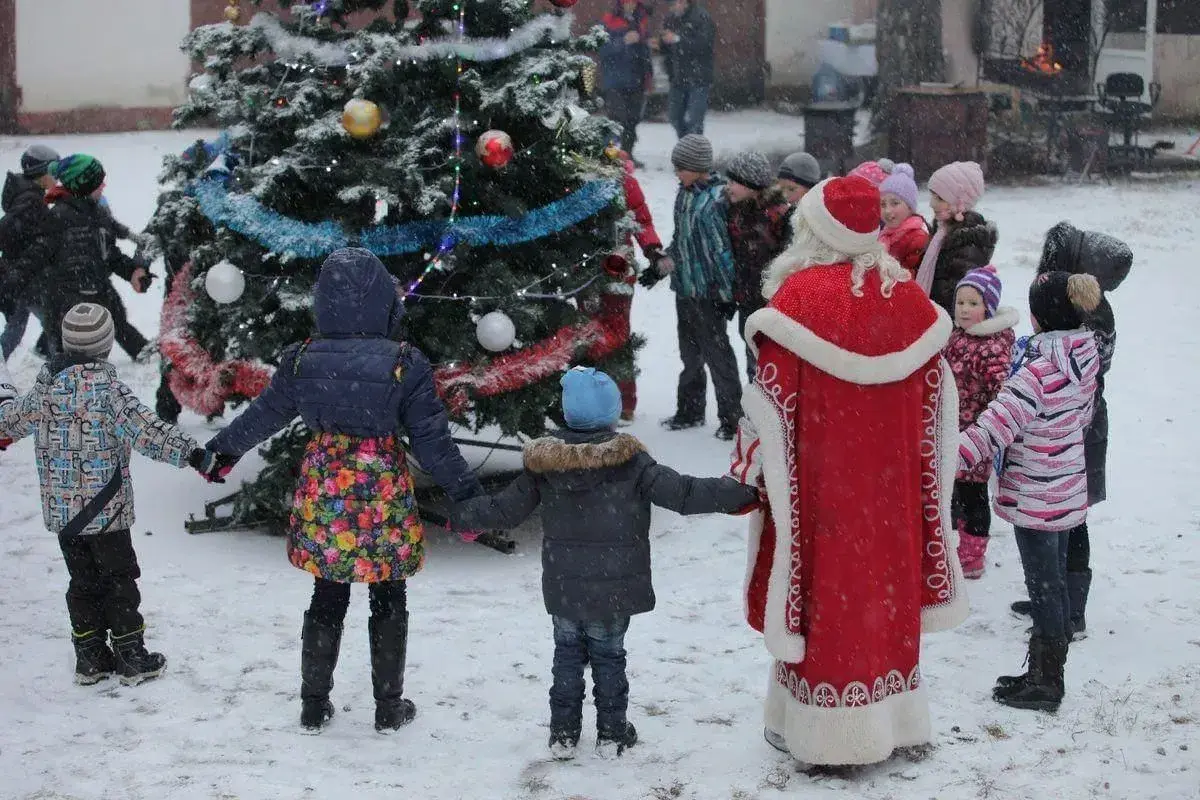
(980, 358)
(354, 517)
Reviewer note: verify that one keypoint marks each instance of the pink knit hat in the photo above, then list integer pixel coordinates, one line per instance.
(960, 184)
(874, 172)
(902, 184)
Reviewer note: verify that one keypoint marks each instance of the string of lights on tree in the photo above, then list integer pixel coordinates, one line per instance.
(362, 119)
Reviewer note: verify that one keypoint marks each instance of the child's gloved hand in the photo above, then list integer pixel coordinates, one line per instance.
(213, 467)
(649, 277)
(754, 505)
(469, 536)
(4, 443)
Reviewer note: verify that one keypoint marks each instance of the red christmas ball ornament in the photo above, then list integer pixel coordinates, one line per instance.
(563, 3)
(494, 148)
(616, 265)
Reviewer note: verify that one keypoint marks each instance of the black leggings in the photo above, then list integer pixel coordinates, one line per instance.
(1079, 549)
(970, 506)
(330, 600)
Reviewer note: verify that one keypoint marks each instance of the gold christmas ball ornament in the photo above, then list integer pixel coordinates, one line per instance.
(362, 118)
(233, 11)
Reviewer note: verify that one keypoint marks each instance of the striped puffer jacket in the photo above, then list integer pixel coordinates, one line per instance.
(1040, 416)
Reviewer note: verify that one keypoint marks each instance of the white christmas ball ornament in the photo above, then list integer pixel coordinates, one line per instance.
(495, 331)
(224, 283)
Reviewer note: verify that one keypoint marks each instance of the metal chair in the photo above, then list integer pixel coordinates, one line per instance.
(1124, 112)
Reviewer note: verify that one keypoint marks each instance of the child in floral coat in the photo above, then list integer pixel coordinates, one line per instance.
(354, 517)
(978, 354)
(85, 422)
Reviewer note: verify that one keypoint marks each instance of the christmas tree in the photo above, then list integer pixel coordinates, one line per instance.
(453, 139)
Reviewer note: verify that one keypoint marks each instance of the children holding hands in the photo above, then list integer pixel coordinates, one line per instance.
(596, 489)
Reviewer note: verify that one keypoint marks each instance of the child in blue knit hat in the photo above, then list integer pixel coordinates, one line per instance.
(596, 488)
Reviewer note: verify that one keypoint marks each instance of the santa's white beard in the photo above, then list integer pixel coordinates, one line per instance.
(806, 250)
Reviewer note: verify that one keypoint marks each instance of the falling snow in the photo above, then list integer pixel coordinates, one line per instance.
(226, 608)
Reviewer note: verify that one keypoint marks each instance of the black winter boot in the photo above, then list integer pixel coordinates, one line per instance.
(1044, 686)
(319, 647)
(1078, 586)
(1006, 684)
(681, 423)
(1022, 608)
(93, 660)
(389, 650)
(134, 663)
(563, 743)
(610, 744)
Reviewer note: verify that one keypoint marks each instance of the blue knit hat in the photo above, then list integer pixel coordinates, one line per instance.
(590, 400)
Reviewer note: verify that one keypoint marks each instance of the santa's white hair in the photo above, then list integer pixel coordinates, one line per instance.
(807, 250)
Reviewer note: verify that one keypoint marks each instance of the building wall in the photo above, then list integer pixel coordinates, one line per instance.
(115, 53)
(794, 30)
(1177, 68)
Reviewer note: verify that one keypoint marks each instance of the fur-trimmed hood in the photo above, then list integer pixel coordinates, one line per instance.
(572, 452)
(973, 231)
(1104, 257)
(1005, 317)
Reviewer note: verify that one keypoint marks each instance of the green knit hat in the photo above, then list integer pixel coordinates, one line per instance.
(80, 174)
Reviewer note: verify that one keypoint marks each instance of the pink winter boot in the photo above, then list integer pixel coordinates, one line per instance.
(972, 553)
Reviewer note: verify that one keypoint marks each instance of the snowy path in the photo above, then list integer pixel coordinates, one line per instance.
(226, 608)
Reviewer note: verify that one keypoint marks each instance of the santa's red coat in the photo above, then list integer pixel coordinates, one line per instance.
(854, 417)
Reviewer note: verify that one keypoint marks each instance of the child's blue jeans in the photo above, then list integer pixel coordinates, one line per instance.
(602, 644)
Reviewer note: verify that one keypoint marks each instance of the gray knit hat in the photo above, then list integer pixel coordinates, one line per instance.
(694, 153)
(751, 169)
(801, 168)
(87, 330)
(36, 161)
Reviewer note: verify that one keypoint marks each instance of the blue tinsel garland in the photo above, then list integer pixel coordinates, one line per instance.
(246, 215)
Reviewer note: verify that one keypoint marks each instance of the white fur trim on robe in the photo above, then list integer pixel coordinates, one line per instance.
(772, 432)
(845, 735)
(844, 364)
(951, 613)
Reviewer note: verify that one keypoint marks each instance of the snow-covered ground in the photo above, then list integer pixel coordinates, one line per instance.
(226, 607)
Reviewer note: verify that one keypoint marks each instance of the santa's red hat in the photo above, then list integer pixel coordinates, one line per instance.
(844, 214)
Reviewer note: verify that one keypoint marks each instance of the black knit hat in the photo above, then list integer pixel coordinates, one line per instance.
(1060, 301)
(36, 161)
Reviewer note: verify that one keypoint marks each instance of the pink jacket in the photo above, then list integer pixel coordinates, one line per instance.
(1039, 417)
(907, 243)
(980, 358)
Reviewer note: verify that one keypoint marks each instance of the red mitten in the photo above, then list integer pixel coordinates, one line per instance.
(4, 443)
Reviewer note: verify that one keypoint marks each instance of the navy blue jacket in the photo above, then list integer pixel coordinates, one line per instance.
(596, 491)
(344, 381)
(625, 67)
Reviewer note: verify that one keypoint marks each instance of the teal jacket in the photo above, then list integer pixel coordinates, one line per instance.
(701, 248)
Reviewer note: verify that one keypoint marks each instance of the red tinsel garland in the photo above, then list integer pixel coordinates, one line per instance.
(196, 380)
(204, 386)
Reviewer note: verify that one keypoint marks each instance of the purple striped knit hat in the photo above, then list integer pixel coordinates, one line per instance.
(985, 281)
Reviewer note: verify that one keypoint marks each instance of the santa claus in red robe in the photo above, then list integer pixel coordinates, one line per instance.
(851, 427)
